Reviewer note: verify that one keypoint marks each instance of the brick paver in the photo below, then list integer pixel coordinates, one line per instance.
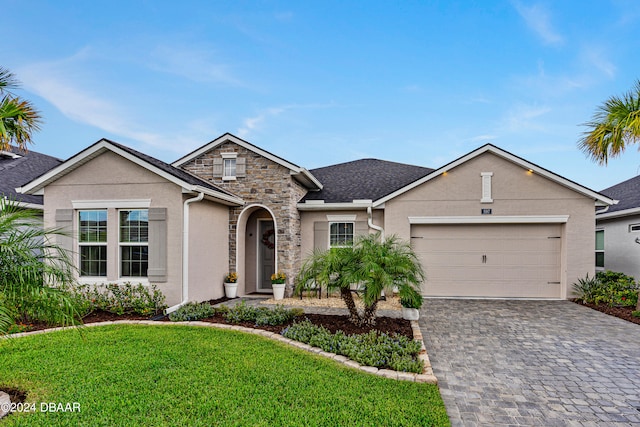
(533, 363)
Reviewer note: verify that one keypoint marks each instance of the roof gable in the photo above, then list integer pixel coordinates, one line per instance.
(300, 173)
(600, 199)
(179, 177)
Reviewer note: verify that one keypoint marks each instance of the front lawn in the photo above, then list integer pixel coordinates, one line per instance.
(125, 375)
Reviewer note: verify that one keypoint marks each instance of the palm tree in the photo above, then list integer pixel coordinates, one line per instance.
(18, 117)
(615, 124)
(372, 263)
(33, 271)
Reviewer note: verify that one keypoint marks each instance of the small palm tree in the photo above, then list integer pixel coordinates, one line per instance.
(373, 264)
(615, 124)
(33, 271)
(18, 118)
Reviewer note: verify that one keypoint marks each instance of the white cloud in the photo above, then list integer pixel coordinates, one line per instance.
(55, 82)
(524, 117)
(481, 138)
(537, 18)
(259, 121)
(596, 57)
(192, 63)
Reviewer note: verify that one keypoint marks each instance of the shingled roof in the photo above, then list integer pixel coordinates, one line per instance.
(627, 192)
(366, 179)
(172, 170)
(17, 167)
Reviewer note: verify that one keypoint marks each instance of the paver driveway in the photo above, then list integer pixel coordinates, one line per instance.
(541, 363)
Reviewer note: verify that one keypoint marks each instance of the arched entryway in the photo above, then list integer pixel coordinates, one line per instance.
(256, 252)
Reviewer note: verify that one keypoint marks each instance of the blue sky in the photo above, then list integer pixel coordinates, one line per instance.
(324, 82)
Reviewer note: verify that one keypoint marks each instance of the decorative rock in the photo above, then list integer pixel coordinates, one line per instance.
(406, 376)
(369, 369)
(429, 379)
(388, 373)
(5, 402)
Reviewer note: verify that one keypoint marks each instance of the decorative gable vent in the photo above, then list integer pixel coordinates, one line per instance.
(486, 187)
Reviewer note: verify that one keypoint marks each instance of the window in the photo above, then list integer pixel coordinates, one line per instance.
(229, 171)
(600, 248)
(634, 227)
(134, 242)
(341, 234)
(93, 242)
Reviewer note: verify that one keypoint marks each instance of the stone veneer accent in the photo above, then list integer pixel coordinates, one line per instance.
(269, 184)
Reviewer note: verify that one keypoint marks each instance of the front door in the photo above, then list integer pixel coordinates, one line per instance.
(266, 255)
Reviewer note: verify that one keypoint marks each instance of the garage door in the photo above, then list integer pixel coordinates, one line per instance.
(497, 260)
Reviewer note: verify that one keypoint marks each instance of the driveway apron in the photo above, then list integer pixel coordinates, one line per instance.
(533, 363)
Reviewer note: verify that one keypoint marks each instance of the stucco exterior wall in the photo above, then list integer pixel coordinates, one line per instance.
(308, 218)
(621, 251)
(515, 191)
(110, 177)
(208, 254)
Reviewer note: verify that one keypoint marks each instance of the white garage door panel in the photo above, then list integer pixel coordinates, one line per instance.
(510, 260)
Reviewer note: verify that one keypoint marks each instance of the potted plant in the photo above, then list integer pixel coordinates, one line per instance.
(277, 283)
(411, 301)
(231, 285)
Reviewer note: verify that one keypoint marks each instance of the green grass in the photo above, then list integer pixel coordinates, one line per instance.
(126, 375)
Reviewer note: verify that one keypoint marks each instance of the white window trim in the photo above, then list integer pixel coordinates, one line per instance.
(114, 204)
(341, 222)
(121, 244)
(600, 250)
(486, 187)
(229, 156)
(341, 218)
(631, 230)
(82, 244)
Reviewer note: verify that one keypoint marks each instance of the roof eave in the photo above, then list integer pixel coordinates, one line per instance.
(344, 206)
(217, 196)
(618, 214)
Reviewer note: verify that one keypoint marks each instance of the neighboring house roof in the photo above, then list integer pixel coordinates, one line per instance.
(180, 177)
(628, 195)
(366, 179)
(301, 174)
(310, 203)
(17, 167)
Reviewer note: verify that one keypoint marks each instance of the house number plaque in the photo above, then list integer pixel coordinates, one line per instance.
(486, 211)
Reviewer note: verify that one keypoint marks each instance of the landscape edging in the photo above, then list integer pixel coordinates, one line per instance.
(426, 376)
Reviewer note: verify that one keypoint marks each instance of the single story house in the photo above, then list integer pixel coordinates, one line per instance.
(618, 230)
(489, 224)
(18, 167)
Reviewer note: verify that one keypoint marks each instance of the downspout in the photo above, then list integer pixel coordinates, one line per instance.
(371, 225)
(185, 253)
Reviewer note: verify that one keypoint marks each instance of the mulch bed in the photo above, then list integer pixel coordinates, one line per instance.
(621, 312)
(333, 323)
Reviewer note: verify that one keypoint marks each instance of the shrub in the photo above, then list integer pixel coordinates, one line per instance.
(381, 350)
(122, 299)
(259, 316)
(635, 313)
(192, 311)
(608, 287)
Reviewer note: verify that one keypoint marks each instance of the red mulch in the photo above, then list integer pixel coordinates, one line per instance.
(621, 312)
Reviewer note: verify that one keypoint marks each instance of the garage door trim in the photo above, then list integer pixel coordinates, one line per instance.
(487, 219)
